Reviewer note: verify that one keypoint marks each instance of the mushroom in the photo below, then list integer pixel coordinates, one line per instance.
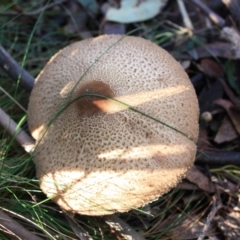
(115, 120)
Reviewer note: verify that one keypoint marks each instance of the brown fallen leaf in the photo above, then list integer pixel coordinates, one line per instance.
(186, 185)
(229, 92)
(197, 177)
(211, 68)
(226, 132)
(232, 111)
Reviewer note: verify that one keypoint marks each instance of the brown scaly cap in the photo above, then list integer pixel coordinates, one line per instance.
(98, 156)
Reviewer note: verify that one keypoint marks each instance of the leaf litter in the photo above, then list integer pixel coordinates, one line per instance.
(206, 203)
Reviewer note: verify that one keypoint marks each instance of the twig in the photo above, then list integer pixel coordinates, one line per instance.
(215, 207)
(212, 15)
(21, 137)
(185, 16)
(218, 158)
(38, 11)
(12, 98)
(12, 68)
(14, 227)
(123, 228)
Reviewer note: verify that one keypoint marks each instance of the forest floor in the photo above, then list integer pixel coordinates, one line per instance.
(204, 37)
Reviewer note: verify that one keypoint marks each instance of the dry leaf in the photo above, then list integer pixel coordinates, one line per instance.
(226, 132)
(186, 185)
(198, 178)
(211, 68)
(135, 10)
(233, 112)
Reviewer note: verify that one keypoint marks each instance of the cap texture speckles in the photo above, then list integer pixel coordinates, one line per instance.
(99, 156)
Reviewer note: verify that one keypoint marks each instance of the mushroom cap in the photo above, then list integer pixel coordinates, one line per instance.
(96, 156)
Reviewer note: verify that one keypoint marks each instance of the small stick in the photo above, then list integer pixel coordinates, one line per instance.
(21, 136)
(215, 207)
(12, 98)
(218, 158)
(212, 15)
(185, 16)
(12, 68)
(14, 227)
(217, 204)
